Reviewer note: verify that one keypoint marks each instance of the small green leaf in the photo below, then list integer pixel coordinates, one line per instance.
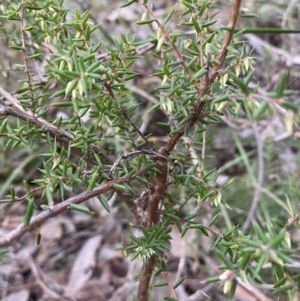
(276, 241)
(135, 255)
(213, 279)
(80, 208)
(58, 93)
(172, 217)
(49, 196)
(213, 220)
(26, 185)
(128, 3)
(92, 181)
(243, 86)
(149, 21)
(135, 239)
(262, 108)
(29, 211)
(291, 106)
(225, 260)
(28, 28)
(196, 25)
(190, 216)
(282, 289)
(160, 284)
(282, 84)
(104, 203)
(232, 289)
(199, 74)
(262, 260)
(3, 125)
(180, 281)
(169, 15)
(163, 266)
(12, 193)
(15, 47)
(120, 186)
(260, 233)
(185, 120)
(248, 15)
(71, 86)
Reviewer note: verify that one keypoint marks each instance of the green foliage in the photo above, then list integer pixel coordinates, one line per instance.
(81, 119)
(155, 241)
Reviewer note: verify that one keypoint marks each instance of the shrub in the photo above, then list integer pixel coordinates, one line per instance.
(76, 115)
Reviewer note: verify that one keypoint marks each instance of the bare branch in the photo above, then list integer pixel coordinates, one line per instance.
(62, 207)
(260, 179)
(158, 185)
(170, 285)
(22, 198)
(14, 101)
(63, 137)
(35, 272)
(145, 280)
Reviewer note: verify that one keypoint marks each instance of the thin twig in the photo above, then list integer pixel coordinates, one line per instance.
(140, 50)
(260, 178)
(234, 13)
(205, 227)
(25, 55)
(64, 206)
(153, 155)
(274, 51)
(287, 12)
(125, 115)
(201, 295)
(14, 101)
(205, 84)
(62, 136)
(35, 272)
(22, 198)
(144, 94)
(157, 189)
(171, 288)
(168, 37)
(159, 184)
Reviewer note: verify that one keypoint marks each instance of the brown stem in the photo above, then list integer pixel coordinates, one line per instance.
(63, 137)
(157, 189)
(64, 206)
(234, 13)
(171, 287)
(206, 82)
(159, 184)
(22, 198)
(145, 280)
